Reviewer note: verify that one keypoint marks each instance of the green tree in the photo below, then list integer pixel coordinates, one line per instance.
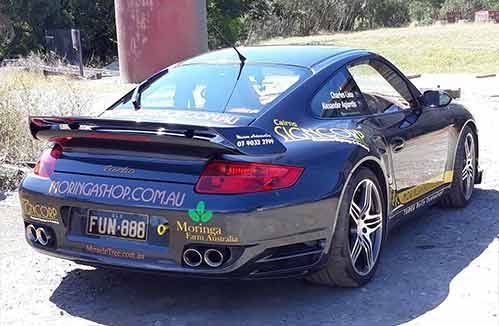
(425, 11)
(233, 19)
(31, 19)
(96, 20)
(385, 13)
(6, 34)
(492, 4)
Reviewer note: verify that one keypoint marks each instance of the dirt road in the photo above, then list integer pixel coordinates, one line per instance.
(438, 269)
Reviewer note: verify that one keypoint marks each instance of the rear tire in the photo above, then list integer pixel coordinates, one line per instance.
(463, 181)
(359, 234)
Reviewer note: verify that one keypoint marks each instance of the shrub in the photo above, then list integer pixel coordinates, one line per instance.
(24, 92)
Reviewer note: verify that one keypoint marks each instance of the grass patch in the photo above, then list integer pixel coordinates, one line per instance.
(453, 48)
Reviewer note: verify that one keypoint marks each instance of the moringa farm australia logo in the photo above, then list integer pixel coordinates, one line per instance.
(202, 231)
(200, 214)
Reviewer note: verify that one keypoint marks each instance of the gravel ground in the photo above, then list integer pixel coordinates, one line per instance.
(440, 268)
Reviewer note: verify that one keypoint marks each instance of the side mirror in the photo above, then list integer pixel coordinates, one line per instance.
(436, 99)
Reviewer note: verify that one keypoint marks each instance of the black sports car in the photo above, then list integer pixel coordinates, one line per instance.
(276, 161)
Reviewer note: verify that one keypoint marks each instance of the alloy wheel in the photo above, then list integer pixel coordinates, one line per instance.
(468, 172)
(365, 226)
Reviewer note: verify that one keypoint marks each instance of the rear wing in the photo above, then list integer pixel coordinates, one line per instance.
(227, 140)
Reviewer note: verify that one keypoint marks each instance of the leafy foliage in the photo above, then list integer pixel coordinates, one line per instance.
(230, 18)
(238, 20)
(31, 18)
(391, 13)
(306, 17)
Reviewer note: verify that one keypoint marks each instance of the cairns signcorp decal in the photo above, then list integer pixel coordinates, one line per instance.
(291, 132)
(40, 212)
(201, 231)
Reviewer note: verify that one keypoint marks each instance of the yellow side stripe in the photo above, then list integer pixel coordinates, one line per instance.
(422, 189)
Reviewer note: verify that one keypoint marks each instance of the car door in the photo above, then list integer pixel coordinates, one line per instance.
(417, 137)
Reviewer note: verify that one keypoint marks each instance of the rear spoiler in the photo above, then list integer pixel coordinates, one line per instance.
(227, 140)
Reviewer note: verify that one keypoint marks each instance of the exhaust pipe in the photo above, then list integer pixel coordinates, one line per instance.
(31, 233)
(213, 257)
(42, 236)
(192, 257)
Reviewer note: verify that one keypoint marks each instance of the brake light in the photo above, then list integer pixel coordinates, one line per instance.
(46, 164)
(238, 178)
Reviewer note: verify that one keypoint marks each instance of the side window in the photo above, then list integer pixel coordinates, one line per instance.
(383, 89)
(339, 97)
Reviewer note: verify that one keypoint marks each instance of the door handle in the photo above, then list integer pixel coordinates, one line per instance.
(398, 144)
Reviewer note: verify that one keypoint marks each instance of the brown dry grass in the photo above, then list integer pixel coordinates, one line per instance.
(27, 92)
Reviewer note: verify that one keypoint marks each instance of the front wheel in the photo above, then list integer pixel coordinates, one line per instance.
(465, 167)
(359, 234)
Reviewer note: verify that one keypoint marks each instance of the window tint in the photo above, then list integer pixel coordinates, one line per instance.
(383, 89)
(216, 88)
(339, 97)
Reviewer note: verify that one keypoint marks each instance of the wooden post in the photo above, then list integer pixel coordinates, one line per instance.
(75, 37)
(153, 34)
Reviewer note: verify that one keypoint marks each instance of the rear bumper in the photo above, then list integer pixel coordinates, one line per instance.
(263, 243)
(272, 263)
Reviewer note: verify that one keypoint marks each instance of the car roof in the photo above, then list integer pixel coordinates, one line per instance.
(297, 55)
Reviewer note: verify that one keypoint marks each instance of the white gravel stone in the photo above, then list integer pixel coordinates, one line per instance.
(438, 269)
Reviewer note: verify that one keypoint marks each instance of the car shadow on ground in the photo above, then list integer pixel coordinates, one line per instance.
(420, 260)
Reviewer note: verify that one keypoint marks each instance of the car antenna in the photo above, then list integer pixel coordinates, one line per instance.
(242, 58)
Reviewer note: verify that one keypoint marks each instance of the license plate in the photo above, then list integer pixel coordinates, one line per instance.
(117, 224)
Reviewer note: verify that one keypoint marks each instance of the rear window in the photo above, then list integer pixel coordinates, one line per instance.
(215, 88)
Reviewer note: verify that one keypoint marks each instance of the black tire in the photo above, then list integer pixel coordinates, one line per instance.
(339, 270)
(456, 196)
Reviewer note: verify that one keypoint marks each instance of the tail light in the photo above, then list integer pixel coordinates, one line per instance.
(238, 178)
(46, 164)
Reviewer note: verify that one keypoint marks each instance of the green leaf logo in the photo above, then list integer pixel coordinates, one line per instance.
(200, 214)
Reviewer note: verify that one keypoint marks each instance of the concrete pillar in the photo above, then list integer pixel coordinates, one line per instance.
(153, 34)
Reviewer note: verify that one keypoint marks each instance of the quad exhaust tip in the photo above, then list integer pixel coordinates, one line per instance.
(39, 235)
(31, 233)
(213, 257)
(42, 236)
(196, 257)
(192, 257)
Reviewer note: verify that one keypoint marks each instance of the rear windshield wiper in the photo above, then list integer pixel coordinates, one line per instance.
(137, 92)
